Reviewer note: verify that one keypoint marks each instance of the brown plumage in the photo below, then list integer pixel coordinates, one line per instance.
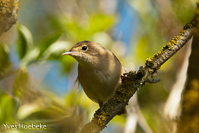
(99, 70)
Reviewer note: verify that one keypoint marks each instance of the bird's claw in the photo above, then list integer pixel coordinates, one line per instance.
(152, 80)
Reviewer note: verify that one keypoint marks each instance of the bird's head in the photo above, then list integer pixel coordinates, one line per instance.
(85, 51)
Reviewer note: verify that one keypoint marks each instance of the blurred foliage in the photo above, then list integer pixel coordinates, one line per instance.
(183, 8)
(46, 29)
(47, 42)
(84, 29)
(22, 43)
(4, 60)
(8, 109)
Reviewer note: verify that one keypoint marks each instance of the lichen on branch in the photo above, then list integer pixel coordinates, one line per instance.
(171, 47)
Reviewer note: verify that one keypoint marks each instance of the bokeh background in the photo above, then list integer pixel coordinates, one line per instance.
(37, 82)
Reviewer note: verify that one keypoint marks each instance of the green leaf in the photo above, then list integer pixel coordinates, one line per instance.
(6, 108)
(24, 41)
(50, 39)
(30, 57)
(21, 83)
(43, 115)
(4, 60)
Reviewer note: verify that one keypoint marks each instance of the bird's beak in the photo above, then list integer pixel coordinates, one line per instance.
(68, 53)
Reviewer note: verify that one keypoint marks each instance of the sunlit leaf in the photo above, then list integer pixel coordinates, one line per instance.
(54, 52)
(58, 47)
(6, 108)
(30, 57)
(49, 40)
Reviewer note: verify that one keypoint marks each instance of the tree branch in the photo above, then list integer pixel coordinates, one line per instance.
(8, 14)
(133, 80)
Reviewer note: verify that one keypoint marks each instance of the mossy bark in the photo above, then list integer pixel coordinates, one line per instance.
(189, 120)
(8, 14)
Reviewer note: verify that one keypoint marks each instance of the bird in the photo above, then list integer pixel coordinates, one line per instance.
(99, 70)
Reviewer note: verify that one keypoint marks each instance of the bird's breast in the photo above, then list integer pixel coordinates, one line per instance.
(98, 85)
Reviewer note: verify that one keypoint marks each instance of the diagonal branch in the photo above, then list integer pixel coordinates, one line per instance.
(133, 80)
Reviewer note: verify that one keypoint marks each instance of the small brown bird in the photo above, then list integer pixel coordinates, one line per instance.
(99, 70)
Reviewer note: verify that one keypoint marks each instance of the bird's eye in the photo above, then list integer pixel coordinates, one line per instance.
(84, 48)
